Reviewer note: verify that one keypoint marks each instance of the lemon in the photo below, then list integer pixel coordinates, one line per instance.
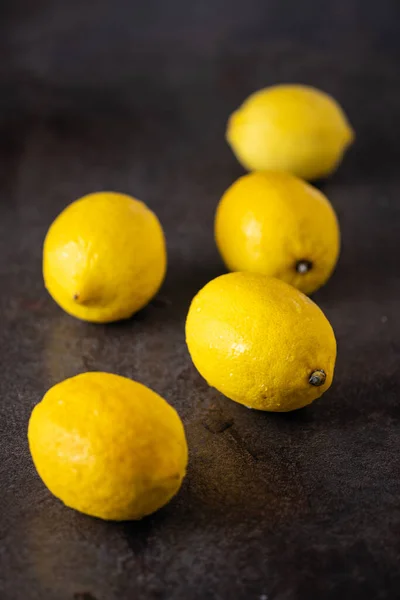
(292, 128)
(261, 342)
(108, 446)
(104, 257)
(278, 225)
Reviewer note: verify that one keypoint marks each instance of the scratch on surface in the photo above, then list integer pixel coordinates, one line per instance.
(123, 562)
(215, 421)
(217, 426)
(241, 443)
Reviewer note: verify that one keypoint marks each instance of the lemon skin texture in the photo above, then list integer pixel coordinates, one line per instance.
(107, 446)
(276, 224)
(293, 128)
(104, 257)
(261, 342)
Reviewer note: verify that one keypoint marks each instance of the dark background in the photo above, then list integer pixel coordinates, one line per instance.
(134, 96)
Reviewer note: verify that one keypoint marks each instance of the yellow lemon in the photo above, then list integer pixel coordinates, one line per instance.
(108, 446)
(278, 225)
(104, 257)
(292, 128)
(261, 342)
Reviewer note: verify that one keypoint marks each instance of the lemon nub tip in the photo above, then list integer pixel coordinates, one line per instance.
(80, 298)
(317, 378)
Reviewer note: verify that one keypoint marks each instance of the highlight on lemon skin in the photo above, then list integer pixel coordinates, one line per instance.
(276, 224)
(104, 257)
(261, 342)
(108, 446)
(293, 128)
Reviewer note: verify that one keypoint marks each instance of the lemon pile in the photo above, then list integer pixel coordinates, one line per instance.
(112, 448)
(108, 446)
(292, 128)
(261, 342)
(278, 225)
(104, 257)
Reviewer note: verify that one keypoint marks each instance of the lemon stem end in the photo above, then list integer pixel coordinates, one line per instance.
(317, 378)
(303, 266)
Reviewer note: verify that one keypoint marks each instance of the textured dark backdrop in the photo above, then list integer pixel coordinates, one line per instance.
(134, 96)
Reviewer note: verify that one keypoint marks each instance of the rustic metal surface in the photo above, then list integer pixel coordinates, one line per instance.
(135, 98)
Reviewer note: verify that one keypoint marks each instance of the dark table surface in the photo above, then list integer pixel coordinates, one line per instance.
(135, 98)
